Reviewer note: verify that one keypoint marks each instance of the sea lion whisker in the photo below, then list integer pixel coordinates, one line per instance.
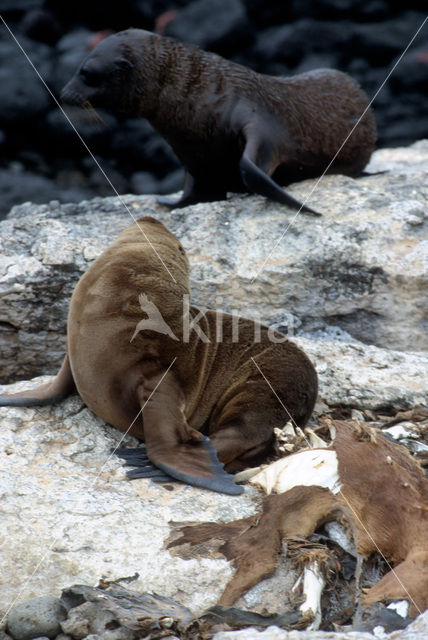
(94, 116)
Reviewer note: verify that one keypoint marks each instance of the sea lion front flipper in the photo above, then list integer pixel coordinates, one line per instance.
(173, 446)
(257, 181)
(49, 393)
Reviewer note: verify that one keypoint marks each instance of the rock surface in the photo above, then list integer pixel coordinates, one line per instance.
(69, 514)
(349, 285)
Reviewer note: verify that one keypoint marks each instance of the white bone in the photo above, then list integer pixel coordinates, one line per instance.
(340, 536)
(309, 467)
(313, 585)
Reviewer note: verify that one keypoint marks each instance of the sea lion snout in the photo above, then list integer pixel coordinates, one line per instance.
(70, 97)
(100, 80)
(76, 93)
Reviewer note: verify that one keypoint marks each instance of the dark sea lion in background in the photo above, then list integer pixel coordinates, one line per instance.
(170, 384)
(232, 128)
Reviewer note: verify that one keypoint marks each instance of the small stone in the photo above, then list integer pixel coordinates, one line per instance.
(36, 618)
(79, 621)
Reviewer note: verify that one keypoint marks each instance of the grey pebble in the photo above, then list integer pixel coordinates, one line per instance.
(36, 618)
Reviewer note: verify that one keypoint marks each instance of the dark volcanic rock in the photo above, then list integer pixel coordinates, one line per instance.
(22, 94)
(412, 72)
(212, 24)
(41, 25)
(22, 186)
(17, 7)
(290, 43)
(382, 41)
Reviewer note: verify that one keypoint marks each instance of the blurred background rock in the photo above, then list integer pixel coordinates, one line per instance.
(42, 159)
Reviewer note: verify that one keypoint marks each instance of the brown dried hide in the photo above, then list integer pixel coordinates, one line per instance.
(253, 544)
(384, 492)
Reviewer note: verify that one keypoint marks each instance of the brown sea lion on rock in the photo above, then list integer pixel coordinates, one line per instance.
(232, 128)
(167, 381)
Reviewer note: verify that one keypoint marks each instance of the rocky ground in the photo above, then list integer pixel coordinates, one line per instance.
(349, 287)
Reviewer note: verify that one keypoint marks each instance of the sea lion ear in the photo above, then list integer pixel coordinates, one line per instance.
(124, 64)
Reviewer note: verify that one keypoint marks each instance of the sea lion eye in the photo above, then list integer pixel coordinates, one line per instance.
(91, 76)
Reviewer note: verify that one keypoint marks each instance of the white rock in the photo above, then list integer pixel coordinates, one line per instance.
(70, 516)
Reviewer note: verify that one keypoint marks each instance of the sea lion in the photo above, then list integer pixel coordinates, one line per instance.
(191, 386)
(233, 129)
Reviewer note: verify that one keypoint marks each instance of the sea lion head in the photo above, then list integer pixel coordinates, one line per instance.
(167, 255)
(111, 75)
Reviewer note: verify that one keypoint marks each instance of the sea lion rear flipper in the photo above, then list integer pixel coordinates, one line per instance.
(174, 447)
(143, 467)
(196, 464)
(50, 392)
(257, 181)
